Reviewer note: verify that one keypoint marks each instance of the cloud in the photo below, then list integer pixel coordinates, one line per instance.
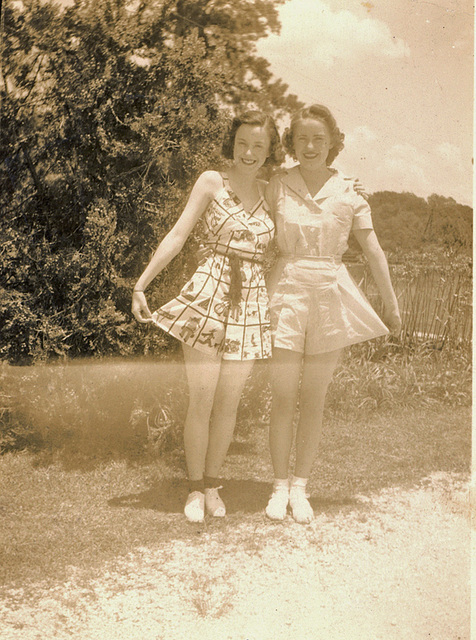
(312, 29)
(405, 167)
(360, 136)
(451, 155)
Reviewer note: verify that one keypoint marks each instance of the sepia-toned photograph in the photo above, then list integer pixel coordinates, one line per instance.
(236, 259)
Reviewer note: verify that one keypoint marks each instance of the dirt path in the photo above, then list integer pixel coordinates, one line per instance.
(391, 566)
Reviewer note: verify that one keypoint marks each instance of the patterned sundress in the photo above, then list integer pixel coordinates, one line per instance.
(223, 309)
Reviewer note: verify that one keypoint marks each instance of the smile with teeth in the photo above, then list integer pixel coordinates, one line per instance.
(247, 161)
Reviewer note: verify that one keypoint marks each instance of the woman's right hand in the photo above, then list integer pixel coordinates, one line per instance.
(140, 309)
(360, 189)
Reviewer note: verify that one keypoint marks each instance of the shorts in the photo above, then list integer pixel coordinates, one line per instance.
(318, 308)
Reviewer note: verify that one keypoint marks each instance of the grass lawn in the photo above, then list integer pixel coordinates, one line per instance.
(64, 517)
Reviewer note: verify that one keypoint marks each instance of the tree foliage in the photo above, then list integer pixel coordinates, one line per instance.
(110, 109)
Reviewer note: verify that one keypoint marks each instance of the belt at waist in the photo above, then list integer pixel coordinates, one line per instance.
(235, 253)
(293, 256)
(234, 258)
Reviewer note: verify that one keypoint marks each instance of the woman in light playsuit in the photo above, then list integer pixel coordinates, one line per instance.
(316, 308)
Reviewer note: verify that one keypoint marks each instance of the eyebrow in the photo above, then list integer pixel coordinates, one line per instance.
(243, 140)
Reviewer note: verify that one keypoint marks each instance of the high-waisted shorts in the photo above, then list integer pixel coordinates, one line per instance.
(317, 307)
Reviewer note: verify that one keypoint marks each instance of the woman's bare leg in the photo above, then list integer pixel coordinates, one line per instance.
(316, 376)
(285, 374)
(203, 372)
(233, 376)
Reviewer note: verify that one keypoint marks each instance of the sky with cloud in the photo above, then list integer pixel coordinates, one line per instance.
(398, 76)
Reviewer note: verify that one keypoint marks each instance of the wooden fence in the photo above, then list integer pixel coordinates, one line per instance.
(435, 303)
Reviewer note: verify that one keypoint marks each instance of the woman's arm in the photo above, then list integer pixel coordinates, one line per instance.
(380, 272)
(271, 194)
(201, 195)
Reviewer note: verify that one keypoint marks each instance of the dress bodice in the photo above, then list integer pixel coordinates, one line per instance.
(229, 227)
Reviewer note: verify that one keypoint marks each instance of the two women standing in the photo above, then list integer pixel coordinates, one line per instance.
(222, 314)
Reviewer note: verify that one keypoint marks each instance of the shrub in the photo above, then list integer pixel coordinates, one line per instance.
(381, 375)
(130, 408)
(95, 409)
(110, 110)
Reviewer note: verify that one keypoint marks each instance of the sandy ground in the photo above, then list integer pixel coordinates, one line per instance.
(395, 565)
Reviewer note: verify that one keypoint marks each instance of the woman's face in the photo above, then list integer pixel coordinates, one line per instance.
(312, 143)
(251, 147)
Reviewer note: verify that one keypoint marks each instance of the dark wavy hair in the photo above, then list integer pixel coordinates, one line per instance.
(316, 112)
(258, 119)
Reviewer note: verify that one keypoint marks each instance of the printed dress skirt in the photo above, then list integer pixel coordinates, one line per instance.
(204, 316)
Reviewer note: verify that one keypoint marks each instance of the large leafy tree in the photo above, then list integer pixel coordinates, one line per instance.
(232, 28)
(109, 111)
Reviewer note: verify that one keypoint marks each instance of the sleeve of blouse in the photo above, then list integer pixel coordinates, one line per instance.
(362, 214)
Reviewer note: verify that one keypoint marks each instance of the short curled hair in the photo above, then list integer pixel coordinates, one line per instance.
(256, 119)
(316, 112)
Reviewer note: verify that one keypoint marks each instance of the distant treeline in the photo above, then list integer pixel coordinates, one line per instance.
(404, 222)
(409, 227)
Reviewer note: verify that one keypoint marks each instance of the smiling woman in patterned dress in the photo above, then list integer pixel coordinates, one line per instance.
(221, 315)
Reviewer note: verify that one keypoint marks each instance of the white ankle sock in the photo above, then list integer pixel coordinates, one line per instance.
(299, 482)
(298, 499)
(278, 502)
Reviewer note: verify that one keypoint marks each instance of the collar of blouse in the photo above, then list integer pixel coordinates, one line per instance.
(336, 183)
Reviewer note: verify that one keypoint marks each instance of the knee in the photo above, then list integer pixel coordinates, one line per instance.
(225, 411)
(200, 406)
(283, 402)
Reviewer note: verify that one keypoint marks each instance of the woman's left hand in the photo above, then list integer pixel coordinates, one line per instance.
(360, 189)
(393, 321)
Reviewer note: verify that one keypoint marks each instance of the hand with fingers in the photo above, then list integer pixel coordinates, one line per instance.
(360, 189)
(392, 319)
(140, 308)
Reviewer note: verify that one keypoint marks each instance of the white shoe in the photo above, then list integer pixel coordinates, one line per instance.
(300, 506)
(194, 509)
(278, 503)
(213, 503)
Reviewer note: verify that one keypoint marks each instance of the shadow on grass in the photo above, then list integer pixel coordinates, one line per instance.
(240, 496)
(322, 504)
(168, 496)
